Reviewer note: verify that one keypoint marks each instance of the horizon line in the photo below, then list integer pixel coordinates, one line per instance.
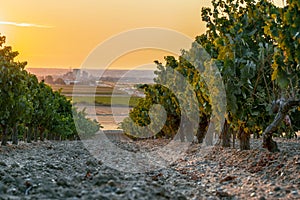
(57, 68)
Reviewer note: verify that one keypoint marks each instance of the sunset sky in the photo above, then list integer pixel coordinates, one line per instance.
(61, 34)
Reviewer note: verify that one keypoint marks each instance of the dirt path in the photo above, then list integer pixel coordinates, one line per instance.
(66, 170)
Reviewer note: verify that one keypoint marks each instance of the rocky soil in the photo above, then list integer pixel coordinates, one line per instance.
(66, 170)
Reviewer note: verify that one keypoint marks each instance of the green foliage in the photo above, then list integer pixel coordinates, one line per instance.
(174, 85)
(13, 102)
(32, 105)
(283, 26)
(255, 46)
(155, 94)
(235, 38)
(86, 128)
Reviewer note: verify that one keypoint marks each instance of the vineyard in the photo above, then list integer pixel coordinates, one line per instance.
(191, 136)
(31, 110)
(255, 47)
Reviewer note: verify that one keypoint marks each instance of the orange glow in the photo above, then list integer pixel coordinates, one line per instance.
(61, 34)
(140, 57)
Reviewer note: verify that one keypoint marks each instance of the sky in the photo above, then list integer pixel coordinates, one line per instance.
(62, 34)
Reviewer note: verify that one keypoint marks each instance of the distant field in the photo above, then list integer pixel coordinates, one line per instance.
(99, 95)
(106, 100)
(85, 89)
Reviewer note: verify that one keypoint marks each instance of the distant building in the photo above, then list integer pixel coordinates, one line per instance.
(101, 84)
(84, 75)
(76, 72)
(71, 82)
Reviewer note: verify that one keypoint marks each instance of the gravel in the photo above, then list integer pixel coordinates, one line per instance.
(67, 170)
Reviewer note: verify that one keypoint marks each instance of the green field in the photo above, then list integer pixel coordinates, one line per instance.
(106, 100)
(98, 95)
(68, 90)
